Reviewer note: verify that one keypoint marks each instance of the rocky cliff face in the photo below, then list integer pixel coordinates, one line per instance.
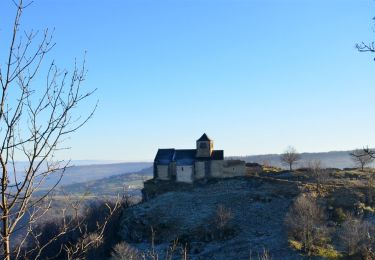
(222, 219)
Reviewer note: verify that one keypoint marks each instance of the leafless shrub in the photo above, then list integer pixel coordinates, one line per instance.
(316, 170)
(305, 222)
(223, 216)
(357, 236)
(370, 190)
(265, 255)
(123, 251)
(81, 233)
(170, 253)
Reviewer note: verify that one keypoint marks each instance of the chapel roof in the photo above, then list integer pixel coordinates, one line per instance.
(184, 156)
(204, 137)
(164, 156)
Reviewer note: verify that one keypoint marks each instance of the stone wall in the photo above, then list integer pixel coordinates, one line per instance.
(233, 168)
(155, 187)
(216, 169)
(200, 172)
(185, 173)
(163, 172)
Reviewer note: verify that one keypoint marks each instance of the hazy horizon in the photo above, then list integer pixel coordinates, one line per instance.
(85, 162)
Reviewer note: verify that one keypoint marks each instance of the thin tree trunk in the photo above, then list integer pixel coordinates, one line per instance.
(6, 240)
(5, 215)
(6, 248)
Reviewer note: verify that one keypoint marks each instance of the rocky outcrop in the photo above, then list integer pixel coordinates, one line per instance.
(256, 209)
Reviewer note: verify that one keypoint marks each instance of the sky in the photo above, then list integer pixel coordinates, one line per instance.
(255, 75)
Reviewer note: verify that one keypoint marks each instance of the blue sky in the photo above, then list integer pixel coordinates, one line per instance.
(255, 75)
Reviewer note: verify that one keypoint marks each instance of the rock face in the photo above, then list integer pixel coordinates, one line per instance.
(255, 210)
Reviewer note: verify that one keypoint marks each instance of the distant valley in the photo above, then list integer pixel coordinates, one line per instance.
(129, 183)
(87, 173)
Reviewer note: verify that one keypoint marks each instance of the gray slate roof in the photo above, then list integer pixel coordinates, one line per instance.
(185, 156)
(204, 137)
(164, 156)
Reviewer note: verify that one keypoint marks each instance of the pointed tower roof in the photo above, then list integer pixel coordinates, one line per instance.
(204, 137)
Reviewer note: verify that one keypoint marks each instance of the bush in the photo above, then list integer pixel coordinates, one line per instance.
(305, 222)
(123, 251)
(223, 216)
(339, 215)
(295, 245)
(91, 234)
(327, 252)
(355, 236)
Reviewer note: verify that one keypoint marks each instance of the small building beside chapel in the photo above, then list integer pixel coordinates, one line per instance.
(189, 165)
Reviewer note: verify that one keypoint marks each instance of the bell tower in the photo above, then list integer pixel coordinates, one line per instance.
(204, 147)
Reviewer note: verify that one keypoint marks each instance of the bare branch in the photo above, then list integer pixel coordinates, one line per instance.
(34, 122)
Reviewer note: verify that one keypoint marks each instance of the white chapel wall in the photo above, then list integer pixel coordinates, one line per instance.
(184, 173)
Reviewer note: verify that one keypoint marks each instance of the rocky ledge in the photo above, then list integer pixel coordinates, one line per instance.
(220, 219)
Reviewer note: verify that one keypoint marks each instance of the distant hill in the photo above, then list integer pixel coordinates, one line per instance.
(130, 183)
(335, 159)
(87, 173)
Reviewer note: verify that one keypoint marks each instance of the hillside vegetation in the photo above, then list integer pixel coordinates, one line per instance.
(325, 213)
(274, 214)
(242, 217)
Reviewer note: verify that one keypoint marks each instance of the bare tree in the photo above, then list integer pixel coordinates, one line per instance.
(361, 157)
(36, 117)
(366, 47)
(304, 221)
(290, 157)
(75, 233)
